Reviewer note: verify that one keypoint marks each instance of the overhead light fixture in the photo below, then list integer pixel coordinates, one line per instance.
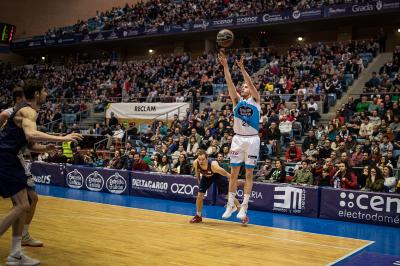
(43, 58)
(151, 51)
(398, 30)
(300, 39)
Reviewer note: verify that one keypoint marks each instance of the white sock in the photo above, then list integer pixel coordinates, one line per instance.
(246, 198)
(25, 230)
(198, 214)
(231, 198)
(16, 246)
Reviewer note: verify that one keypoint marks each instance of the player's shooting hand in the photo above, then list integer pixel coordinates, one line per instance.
(74, 137)
(222, 59)
(240, 63)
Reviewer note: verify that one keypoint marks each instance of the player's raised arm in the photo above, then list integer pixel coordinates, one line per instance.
(28, 124)
(231, 87)
(253, 91)
(218, 169)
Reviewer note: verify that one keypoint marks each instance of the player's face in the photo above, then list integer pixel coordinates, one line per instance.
(42, 96)
(245, 91)
(202, 159)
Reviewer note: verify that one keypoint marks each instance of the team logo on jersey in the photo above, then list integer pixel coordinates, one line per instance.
(245, 111)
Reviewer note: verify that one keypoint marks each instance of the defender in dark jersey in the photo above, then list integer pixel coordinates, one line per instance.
(27, 240)
(21, 131)
(207, 172)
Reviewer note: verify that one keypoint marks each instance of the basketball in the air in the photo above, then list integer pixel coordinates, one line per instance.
(225, 38)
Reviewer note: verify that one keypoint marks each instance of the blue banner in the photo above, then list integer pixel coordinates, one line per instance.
(360, 206)
(271, 18)
(172, 187)
(48, 174)
(314, 13)
(283, 198)
(329, 203)
(97, 179)
(285, 16)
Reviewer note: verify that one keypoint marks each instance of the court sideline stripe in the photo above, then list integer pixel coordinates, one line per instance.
(350, 254)
(263, 226)
(205, 227)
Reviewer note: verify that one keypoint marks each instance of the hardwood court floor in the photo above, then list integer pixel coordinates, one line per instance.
(85, 233)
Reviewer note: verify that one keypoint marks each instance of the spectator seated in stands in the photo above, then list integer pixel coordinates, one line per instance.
(182, 167)
(293, 153)
(277, 174)
(303, 176)
(375, 181)
(264, 171)
(77, 158)
(390, 180)
(344, 178)
(164, 165)
(138, 164)
(116, 162)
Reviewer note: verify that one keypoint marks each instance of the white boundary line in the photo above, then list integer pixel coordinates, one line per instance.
(202, 227)
(210, 228)
(263, 226)
(351, 253)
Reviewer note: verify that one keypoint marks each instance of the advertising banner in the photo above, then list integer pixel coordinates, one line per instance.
(48, 173)
(97, 179)
(284, 16)
(314, 13)
(360, 206)
(296, 200)
(275, 17)
(172, 187)
(147, 110)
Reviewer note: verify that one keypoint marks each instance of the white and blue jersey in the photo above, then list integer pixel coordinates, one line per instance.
(247, 117)
(245, 146)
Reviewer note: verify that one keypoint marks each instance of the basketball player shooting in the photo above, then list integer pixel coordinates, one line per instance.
(245, 146)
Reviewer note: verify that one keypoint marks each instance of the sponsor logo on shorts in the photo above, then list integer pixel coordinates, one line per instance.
(234, 153)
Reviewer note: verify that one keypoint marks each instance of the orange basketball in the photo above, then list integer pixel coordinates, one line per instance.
(225, 38)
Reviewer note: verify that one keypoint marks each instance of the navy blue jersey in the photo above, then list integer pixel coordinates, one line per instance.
(12, 137)
(207, 172)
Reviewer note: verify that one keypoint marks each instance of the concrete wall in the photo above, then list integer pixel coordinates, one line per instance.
(34, 17)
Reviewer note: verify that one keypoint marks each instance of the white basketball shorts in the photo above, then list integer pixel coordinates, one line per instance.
(245, 149)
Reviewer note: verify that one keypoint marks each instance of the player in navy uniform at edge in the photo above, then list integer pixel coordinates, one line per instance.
(27, 240)
(207, 172)
(19, 132)
(245, 145)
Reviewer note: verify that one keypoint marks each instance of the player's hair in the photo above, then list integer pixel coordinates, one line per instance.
(201, 152)
(31, 86)
(17, 92)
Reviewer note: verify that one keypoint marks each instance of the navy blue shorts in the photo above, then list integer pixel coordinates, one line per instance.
(12, 174)
(221, 182)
